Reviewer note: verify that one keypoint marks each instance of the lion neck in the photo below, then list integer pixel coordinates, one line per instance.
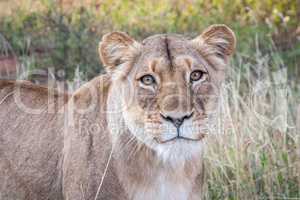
(146, 176)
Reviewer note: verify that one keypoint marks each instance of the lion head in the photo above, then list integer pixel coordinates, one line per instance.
(165, 88)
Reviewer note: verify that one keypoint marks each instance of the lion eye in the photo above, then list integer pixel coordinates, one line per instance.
(147, 79)
(196, 75)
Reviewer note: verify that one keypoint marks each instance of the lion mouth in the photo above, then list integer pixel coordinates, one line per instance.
(179, 137)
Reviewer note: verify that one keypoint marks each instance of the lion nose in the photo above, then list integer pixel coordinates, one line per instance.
(177, 122)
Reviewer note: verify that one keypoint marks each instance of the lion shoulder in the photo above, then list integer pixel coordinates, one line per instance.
(23, 103)
(24, 88)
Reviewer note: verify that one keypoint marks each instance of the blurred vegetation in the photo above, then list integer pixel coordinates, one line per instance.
(64, 34)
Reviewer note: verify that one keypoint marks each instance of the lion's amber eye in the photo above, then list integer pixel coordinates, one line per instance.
(196, 75)
(147, 79)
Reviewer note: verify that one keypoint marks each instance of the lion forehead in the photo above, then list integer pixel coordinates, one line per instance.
(165, 51)
(164, 44)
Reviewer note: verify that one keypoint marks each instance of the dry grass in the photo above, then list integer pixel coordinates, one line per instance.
(256, 154)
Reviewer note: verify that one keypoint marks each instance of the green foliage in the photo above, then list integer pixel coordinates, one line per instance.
(67, 38)
(55, 39)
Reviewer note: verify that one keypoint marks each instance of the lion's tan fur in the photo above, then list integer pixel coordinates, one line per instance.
(30, 144)
(59, 146)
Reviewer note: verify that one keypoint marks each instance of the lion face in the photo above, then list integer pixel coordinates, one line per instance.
(167, 87)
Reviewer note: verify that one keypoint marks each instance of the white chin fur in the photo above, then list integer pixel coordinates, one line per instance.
(177, 152)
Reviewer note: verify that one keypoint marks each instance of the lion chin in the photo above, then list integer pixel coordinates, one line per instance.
(172, 148)
(135, 132)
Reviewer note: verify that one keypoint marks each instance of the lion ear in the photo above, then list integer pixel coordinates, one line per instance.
(117, 48)
(217, 40)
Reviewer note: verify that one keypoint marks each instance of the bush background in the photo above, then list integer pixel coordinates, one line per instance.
(64, 34)
(258, 157)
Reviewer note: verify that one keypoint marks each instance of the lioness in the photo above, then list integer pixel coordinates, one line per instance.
(135, 132)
